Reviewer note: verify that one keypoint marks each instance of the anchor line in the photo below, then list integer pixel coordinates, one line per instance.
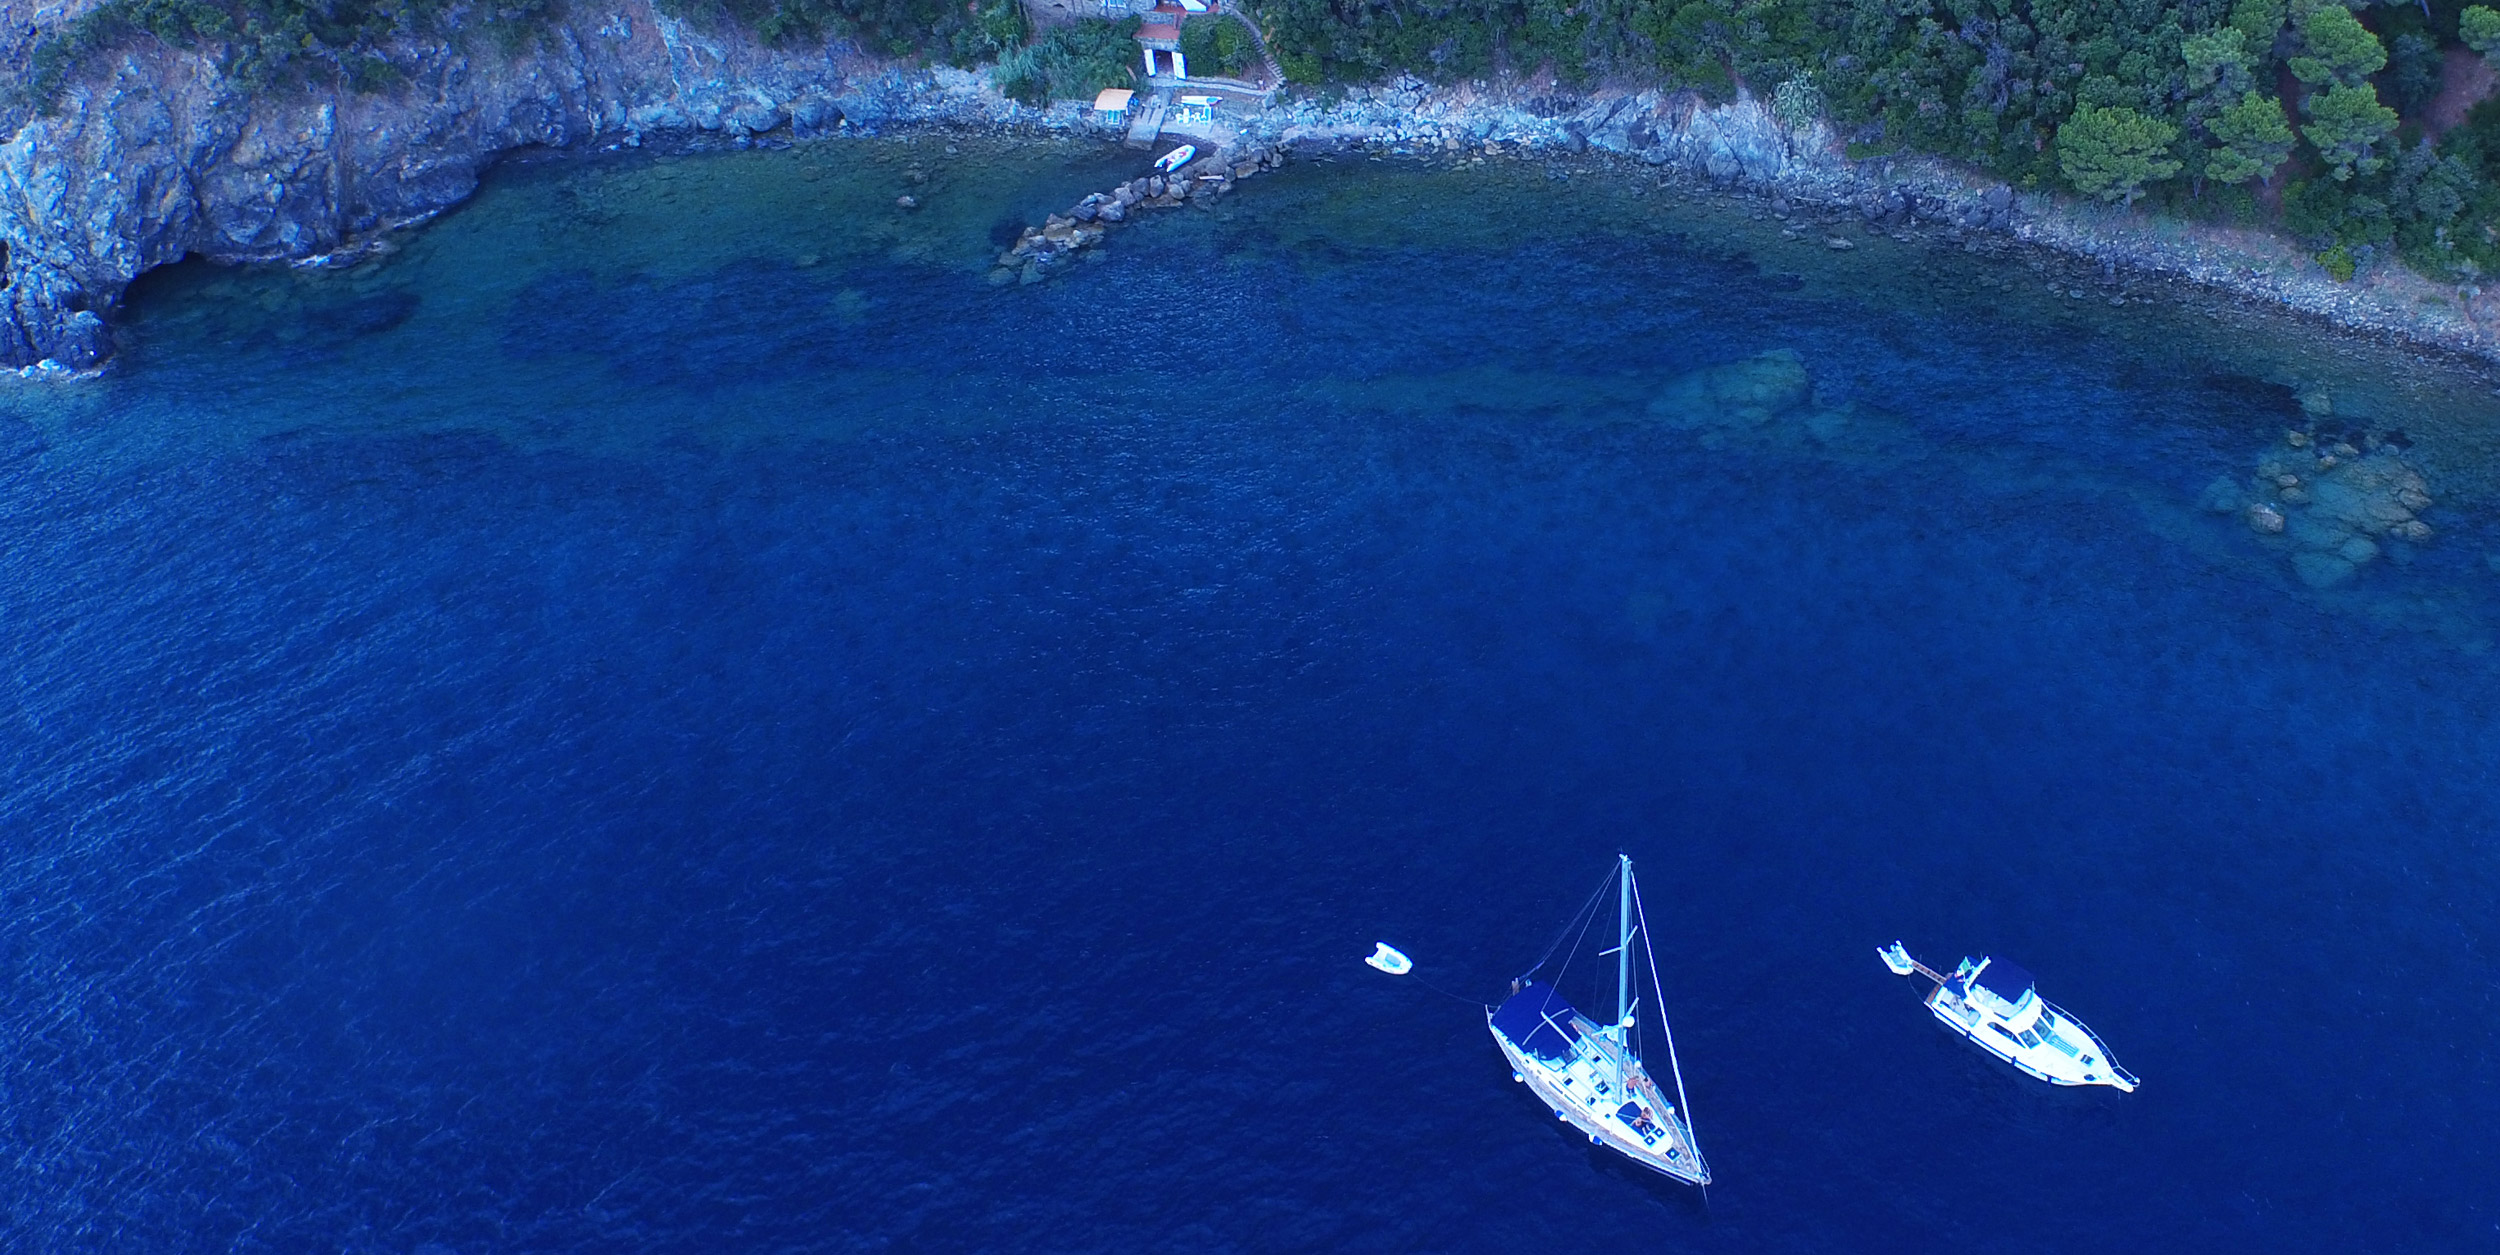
(1473, 1002)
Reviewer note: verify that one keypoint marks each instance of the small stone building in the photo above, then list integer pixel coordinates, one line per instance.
(1160, 37)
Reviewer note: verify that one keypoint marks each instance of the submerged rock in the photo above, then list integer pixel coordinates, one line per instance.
(2334, 507)
(2222, 496)
(2322, 570)
(1766, 398)
(1750, 393)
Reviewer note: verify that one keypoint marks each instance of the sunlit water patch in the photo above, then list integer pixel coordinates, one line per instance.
(667, 713)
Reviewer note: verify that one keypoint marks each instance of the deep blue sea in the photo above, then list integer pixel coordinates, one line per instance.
(669, 715)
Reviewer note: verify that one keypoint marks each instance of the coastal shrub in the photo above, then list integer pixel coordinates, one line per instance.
(962, 33)
(259, 43)
(1071, 62)
(1797, 104)
(2338, 262)
(263, 44)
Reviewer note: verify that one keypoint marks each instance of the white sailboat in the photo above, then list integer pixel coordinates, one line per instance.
(1992, 1002)
(1591, 1074)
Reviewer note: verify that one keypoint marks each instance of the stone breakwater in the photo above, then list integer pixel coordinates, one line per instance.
(1065, 237)
(153, 156)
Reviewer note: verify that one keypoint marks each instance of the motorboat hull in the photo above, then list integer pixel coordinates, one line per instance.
(2059, 1059)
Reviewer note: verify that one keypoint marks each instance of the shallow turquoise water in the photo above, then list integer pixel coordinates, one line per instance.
(667, 714)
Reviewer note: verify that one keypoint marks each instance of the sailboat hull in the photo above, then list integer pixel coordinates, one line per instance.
(1572, 1067)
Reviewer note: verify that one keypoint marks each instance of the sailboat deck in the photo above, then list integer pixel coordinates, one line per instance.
(1581, 1089)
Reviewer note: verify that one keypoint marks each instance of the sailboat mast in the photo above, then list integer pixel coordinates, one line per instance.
(1623, 970)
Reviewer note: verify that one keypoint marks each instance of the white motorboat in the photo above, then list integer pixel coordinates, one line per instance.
(1175, 159)
(1591, 1074)
(1994, 1004)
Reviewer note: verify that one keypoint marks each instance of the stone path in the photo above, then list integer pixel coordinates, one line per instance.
(1143, 132)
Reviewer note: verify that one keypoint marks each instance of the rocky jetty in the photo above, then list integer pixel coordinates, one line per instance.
(2331, 500)
(1065, 237)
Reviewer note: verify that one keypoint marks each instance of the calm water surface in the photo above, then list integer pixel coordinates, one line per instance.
(669, 715)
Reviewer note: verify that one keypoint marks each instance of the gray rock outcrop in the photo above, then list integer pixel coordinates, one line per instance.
(153, 155)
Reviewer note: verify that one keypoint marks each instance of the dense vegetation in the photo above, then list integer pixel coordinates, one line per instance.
(2302, 112)
(1071, 62)
(1219, 46)
(266, 43)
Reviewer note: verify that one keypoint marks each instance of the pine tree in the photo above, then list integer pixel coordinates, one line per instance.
(2217, 59)
(2340, 49)
(2112, 153)
(2345, 124)
(2255, 138)
(2480, 28)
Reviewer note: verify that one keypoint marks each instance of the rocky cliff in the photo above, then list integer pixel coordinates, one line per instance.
(151, 155)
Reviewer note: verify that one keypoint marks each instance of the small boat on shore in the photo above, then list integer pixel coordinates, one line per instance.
(1994, 1004)
(1592, 1075)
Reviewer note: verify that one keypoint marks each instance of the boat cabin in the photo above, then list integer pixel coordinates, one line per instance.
(2003, 990)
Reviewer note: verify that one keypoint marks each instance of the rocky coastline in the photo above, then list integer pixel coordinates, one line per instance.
(154, 157)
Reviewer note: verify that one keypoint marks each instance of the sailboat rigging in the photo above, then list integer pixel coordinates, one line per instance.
(1592, 1076)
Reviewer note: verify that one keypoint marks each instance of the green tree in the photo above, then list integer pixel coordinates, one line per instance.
(2480, 28)
(2346, 123)
(2339, 48)
(2413, 71)
(2217, 61)
(2259, 22)
(2255, 139)
(2112, 153)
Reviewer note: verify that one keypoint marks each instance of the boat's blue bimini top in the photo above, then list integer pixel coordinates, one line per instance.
(1538, 1021)
(2004, 980)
